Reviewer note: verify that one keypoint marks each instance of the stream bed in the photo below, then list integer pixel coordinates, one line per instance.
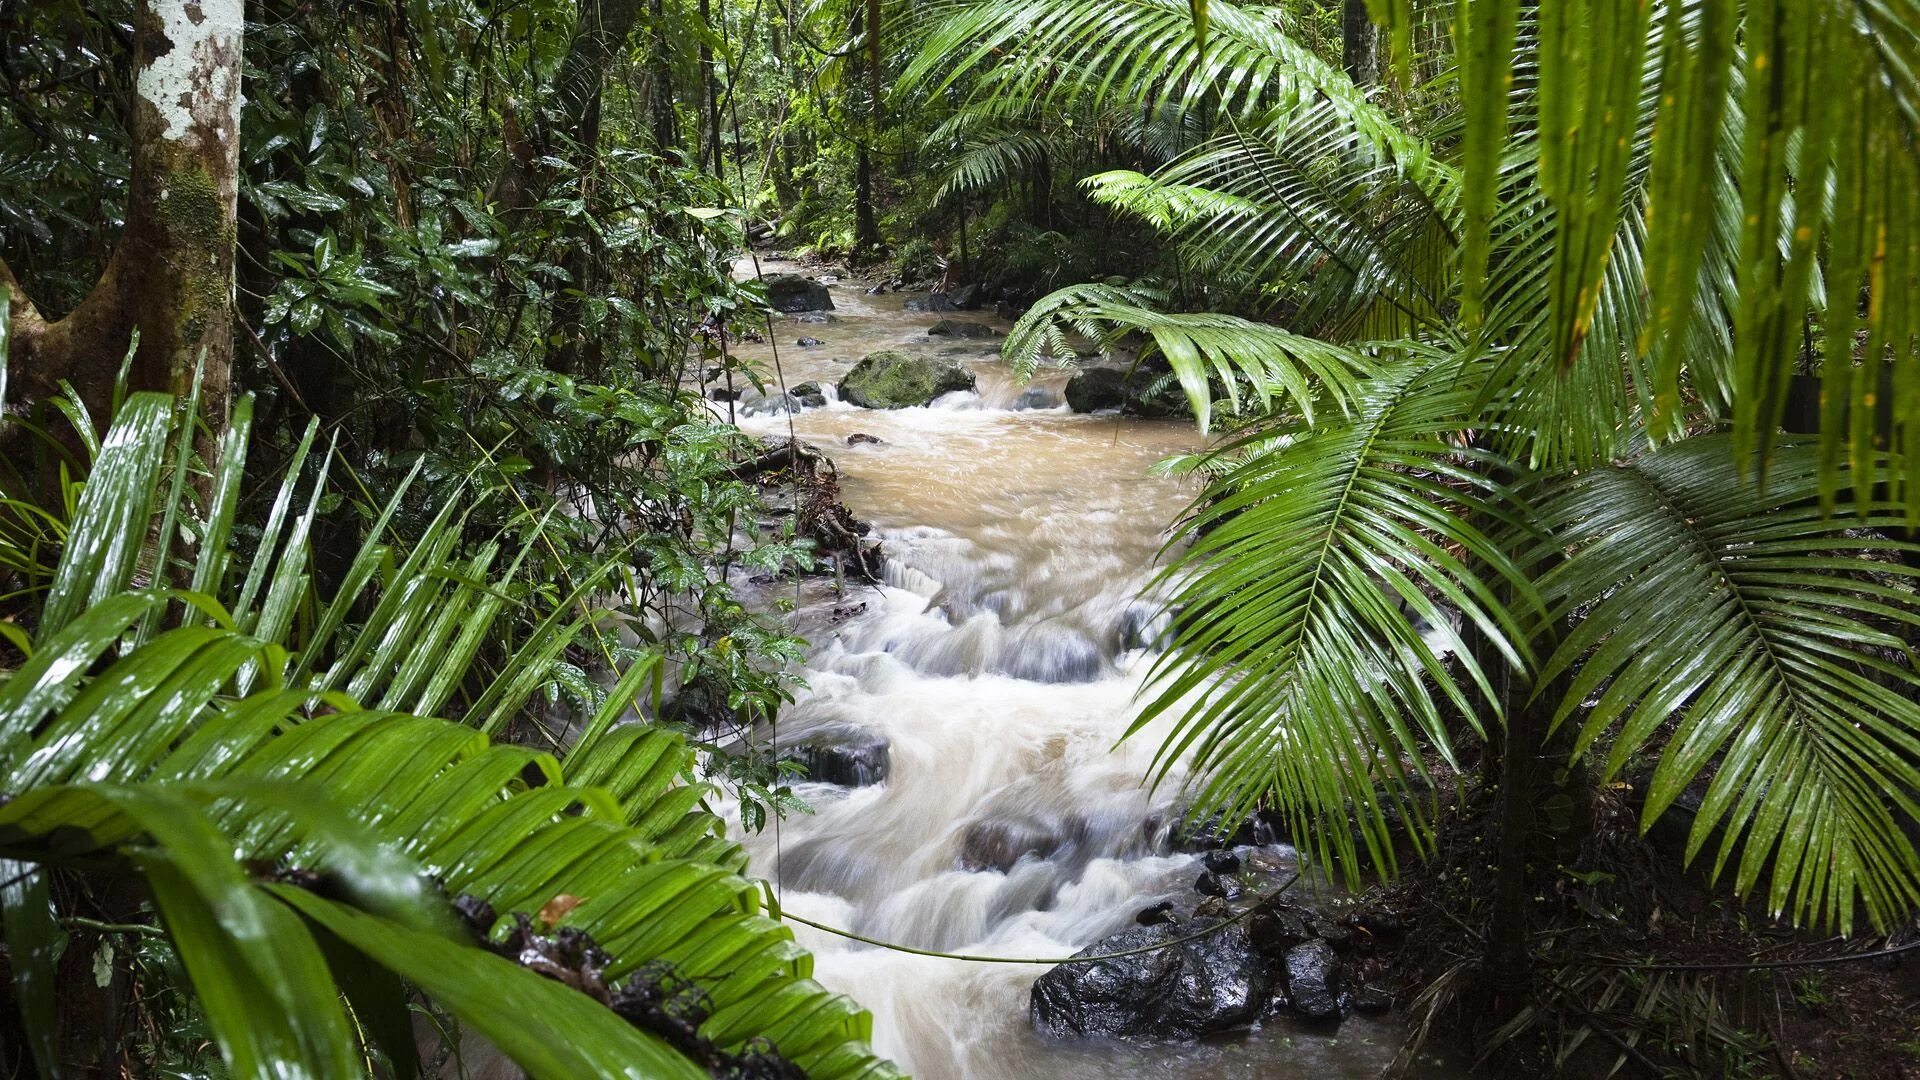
(989, 680)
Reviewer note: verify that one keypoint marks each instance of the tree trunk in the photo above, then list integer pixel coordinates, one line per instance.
(866, 225)
(666, 130)
(709, 98)
(171, 273)
(1359, 43)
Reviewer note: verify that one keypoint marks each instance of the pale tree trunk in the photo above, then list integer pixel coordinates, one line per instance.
(171, 273)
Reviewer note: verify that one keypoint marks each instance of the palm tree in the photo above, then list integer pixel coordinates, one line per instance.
(1510, 465)
(267, 768)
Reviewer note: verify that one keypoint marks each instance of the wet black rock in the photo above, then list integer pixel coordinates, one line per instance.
(1258, 829)
(1314, 977)
(815, 318)
(1161, 912)
(959, 328)
(1275, 928)
(850, 758)
(1221, 861)
(809, 342)
(721, 393)
(1211, 984)
(794, 292)
(809, 394)
(1096, 389)
(1212, 884)
(861, 438)
(877, 290)
(967, 297)
(935, 302)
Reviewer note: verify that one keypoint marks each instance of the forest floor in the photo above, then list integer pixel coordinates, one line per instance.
(1644, 968)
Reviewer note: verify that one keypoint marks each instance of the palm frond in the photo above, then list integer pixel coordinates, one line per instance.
(1299, 640)
(1754, 623)
(1203, 349)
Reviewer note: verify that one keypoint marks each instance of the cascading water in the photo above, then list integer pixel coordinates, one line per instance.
(988, 682)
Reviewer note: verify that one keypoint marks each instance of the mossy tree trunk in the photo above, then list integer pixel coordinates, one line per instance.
(170, 276)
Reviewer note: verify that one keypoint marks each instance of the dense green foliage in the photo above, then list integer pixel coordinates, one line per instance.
(1497, 509)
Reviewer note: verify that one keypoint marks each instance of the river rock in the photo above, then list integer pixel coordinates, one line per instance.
(809, 342)
(1314, 981)
(890, 379)
(1161, 912)
(861, 438)
(808, 394)
(850, 758)
(795, 292)
(998, 844)
(1197, 988)
(1035, 397)
(935, 302)
(1096, 389)
(967, 297)
(1221, 861)
(959, 328)
(816, 318)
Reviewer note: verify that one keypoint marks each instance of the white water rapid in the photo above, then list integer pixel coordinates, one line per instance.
(999, 665)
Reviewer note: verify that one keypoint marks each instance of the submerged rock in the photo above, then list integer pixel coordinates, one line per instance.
(794, 292)
(935, 302)
(890, 379)
(957, 328)
(809, 342)
(861, 438)
(998, 844)
(1197, 988)
(1035, 397)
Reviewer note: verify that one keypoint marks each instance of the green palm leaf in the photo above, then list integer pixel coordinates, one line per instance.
(1749, 619)
(1299, 673)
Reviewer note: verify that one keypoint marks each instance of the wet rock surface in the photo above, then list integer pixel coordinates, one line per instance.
(998, 845)
(1277, 958)
(1184, 991)
(1144, 390)
(1314, 979)
(849, 757)
(795, 292)
(960, 328)
(1096, 390)
(890, 379)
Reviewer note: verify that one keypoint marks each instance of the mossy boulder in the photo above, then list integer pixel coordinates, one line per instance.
(890, 379)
